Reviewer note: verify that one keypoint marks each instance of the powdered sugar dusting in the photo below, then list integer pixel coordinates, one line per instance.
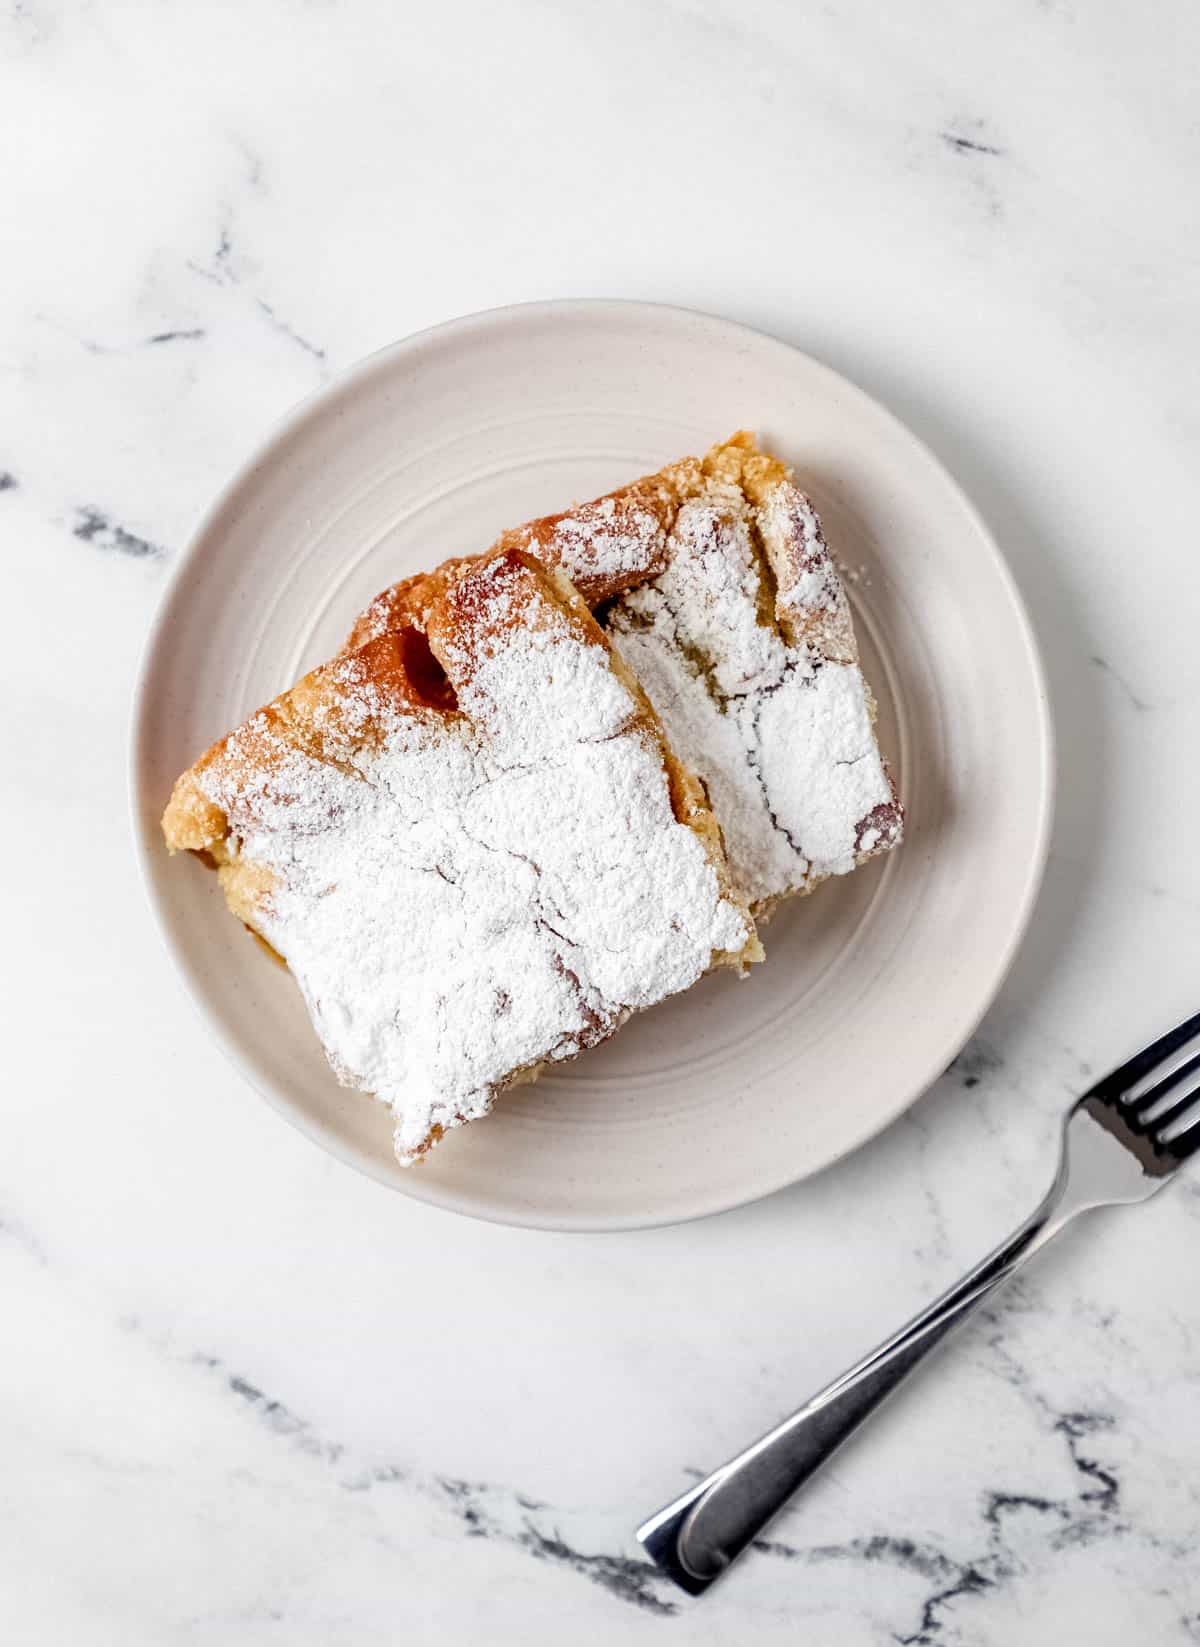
(468, 895)
(819, 768)
(607, 545)
(781, 736)
(713, 585)
(805, 573)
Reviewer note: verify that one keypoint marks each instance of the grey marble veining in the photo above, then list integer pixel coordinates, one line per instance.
(246, 1396)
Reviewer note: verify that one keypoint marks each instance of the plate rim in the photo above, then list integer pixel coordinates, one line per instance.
(283, 429)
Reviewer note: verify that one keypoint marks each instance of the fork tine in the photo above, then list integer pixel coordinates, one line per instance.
(1170, 1104)
(1184, 1143)
(1163, 1079)
(1152, 1062)
(1179, 1119)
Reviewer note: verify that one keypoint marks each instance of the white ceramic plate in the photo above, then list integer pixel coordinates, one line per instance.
(871, 985)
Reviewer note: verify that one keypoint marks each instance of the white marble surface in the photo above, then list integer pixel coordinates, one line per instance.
(249, 1397)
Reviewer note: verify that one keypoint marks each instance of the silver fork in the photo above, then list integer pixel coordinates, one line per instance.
(1122, 1141)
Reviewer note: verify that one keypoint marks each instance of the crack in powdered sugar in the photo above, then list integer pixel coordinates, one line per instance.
(463, 897)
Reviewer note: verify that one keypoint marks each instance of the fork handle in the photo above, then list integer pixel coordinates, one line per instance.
(695, 1538)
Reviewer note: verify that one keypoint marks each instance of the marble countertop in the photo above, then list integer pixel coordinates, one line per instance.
(247, 1396)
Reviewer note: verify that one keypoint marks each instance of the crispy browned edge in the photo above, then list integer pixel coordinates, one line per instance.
(304, 717)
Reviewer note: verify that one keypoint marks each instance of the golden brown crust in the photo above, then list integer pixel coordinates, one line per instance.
(317, 716)
(408, 602)
(581, 539)
(191, 822)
